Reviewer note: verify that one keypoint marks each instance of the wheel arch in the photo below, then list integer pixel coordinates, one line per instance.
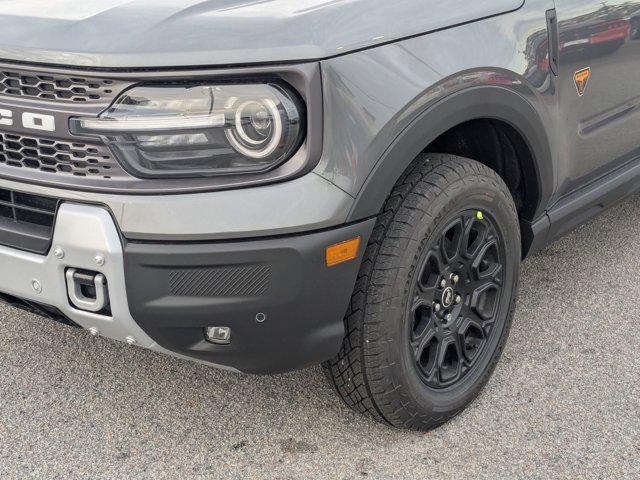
(482, 102)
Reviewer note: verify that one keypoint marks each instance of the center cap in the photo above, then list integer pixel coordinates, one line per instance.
(447, 297)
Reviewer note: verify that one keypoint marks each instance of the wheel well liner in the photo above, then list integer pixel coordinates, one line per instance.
(500, 147)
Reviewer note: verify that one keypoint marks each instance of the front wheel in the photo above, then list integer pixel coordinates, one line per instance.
(435, 296)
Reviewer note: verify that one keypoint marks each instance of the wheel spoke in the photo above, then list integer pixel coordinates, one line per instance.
(460, 349)
(480, 285)
(449, 361)
(430, 273)
(475, 236)
(439, 257)
(471, 337)
(451, 240)
(421, 340)
(474, 318)
(457, 297)
(427, 294)
(484, 300)
(486, 263)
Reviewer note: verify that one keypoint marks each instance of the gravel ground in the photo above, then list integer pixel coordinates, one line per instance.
(564, 401)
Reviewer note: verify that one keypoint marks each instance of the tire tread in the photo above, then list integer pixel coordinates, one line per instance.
(358, 372)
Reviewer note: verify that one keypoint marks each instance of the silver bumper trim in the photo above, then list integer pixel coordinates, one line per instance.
(85, 237)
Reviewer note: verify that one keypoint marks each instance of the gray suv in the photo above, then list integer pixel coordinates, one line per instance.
(266, 185)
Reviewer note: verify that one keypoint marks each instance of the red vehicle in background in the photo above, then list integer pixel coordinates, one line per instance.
(605, 35)
(614, 32)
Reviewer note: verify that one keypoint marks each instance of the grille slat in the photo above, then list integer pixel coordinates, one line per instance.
(24, 202)
(59, 88)
(26, 220)
(27, 208)
(58, 156)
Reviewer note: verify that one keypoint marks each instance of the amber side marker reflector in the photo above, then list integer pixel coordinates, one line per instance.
(342, 252)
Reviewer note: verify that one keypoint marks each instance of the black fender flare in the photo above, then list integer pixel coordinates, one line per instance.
(490, 101)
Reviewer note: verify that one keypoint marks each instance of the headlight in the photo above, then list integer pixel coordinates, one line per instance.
(187, 131)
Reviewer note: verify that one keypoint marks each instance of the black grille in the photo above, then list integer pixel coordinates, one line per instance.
(26, 220)
(58, 87)
(57, 156)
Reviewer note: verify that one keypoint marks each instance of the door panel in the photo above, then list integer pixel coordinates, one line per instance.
(599, 87)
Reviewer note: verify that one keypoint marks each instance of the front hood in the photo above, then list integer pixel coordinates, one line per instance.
(169, 33)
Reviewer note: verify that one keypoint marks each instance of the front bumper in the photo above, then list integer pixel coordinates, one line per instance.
(163, 295)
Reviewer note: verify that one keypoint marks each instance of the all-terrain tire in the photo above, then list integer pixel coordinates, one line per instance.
(374, 372)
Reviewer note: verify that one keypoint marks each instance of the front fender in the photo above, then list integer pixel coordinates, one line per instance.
(385, 105)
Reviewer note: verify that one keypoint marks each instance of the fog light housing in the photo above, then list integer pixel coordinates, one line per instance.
(218, 335)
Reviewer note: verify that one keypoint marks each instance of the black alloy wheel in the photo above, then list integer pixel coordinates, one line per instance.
(456, 299)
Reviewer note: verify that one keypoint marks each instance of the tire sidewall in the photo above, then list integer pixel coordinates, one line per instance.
(468, 193)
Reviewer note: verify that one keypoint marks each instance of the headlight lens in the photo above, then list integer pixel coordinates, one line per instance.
(186, 131)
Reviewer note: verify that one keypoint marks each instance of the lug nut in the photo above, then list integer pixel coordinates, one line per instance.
(458, 299)
(58, 252)
(449, 317)
(443, 283)
(99, 259)
(454, 278)
(130, 340)
(94, 331)
(36, 285)
(436, 307)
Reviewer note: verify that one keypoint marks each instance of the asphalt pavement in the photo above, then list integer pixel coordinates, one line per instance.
(564, 401)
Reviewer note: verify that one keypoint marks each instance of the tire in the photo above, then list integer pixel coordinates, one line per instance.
(380, 370)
